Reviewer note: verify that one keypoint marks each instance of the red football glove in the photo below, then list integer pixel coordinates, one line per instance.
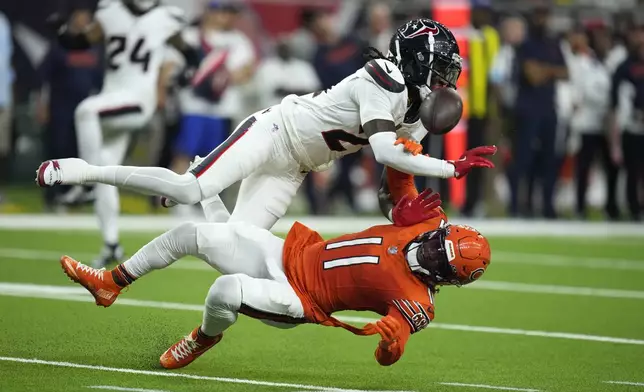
(409, 212)
(410, 146)
(473, 158)
(389, 329)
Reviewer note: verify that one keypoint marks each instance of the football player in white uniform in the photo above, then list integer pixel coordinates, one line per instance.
(135, 33)
(272, 150)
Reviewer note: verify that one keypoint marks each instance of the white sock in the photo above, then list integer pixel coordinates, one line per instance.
(164, 250)
(215, 210)
(107, 209)
(89, 134)
(183, 188)
(222, 305)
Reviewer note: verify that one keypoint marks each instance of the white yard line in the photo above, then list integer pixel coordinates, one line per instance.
(79, 294)
(184, 375)
(537, 259)
(53, 256)
(458, 384)
(490, 227)
(630, 383)
(115, 388)
(555, 289)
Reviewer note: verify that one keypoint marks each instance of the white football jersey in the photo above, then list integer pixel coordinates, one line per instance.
(327, 125)
(135, 44)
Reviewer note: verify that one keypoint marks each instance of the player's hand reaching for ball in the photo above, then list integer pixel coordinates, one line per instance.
(389, 329)
(473, 158)
(409, 212)
(411, 146)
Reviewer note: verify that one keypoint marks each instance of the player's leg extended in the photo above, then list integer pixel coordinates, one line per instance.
(107, 205)
(230, 295)
(265, 196)
(229, 248)
(251, 145)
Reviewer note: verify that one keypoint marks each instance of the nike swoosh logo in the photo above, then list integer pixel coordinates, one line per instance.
(387, 68)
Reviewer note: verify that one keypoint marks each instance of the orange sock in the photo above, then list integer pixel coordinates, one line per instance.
(121, 277)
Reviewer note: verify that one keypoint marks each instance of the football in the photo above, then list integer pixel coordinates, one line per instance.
(441, 111)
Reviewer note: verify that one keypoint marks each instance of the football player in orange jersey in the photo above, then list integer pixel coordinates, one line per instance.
(392, 270)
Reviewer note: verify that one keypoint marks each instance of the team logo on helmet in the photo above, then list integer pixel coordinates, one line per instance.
(477, 273)
(420, 28)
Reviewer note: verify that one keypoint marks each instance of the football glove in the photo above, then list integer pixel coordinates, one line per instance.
(473, 158)
(410, 146)
(409, 212)
(389, 329)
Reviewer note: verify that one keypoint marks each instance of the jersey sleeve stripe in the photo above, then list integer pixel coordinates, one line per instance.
(423, 311)
(382, 77)
(405, 315)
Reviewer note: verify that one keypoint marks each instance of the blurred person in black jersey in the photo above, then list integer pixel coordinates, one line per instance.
(629, 148)
(67, 77)
(336, 57)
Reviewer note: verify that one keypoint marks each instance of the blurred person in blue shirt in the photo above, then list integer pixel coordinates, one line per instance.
(67, 77)
(541, 64)
(6, 85)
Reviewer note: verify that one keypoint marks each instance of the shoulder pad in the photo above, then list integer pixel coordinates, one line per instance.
(177, 13)
(104, 3)
(386, 75)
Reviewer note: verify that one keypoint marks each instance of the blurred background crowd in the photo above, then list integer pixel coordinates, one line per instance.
(558, 86)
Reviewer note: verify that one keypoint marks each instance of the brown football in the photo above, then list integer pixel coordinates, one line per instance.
(441, 111)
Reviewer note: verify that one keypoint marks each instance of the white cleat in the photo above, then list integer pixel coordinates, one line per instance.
(61, 172)
(169, 203)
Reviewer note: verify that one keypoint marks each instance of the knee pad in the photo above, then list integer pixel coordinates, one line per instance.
(225, 293)
(189, 191)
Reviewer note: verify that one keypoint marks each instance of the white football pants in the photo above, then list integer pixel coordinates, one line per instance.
(250, 259)
(257, 153)
(103, 127)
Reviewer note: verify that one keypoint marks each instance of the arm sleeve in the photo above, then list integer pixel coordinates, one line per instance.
(393, 186)
(386, 153)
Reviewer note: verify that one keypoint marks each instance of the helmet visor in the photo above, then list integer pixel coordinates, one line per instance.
(445, 71)
(432, 256)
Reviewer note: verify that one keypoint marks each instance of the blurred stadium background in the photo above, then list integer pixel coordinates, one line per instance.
(322, 41)
(560, 309)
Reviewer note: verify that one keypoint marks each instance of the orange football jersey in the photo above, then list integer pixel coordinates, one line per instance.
(360, 271)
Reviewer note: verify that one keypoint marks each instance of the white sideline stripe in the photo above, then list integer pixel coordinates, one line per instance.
(458, 384)
(183, 375)
(53, 256)
(635, 384)
(549, 260)
(79, 294)
(553, 260)
(114, 388)
(489, 227)
(553, 289)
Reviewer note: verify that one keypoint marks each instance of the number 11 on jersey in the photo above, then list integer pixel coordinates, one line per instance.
(353, 253)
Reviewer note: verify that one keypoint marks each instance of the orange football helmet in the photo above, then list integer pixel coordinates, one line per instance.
(452, 255)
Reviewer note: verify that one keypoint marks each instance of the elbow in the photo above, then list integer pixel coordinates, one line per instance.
(381, 155)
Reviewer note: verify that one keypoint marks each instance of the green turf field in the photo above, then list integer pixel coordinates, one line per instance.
(549, 315)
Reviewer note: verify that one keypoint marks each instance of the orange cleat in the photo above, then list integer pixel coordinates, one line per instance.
(98, 282)
(187, 350)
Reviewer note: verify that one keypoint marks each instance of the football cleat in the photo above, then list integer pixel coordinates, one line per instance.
(109, 254)
(61, 172)
(169, 203)
(98, 282)
(185, 351)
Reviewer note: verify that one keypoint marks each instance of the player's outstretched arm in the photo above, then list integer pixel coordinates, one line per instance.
(393, 337)
(393, 186)
(382, 138)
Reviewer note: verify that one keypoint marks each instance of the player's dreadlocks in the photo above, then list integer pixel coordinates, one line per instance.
(372, 53)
